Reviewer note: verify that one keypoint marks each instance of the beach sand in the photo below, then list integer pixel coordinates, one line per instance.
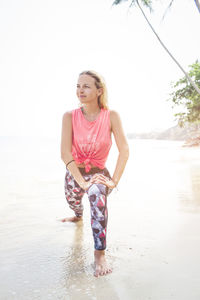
(153, 240)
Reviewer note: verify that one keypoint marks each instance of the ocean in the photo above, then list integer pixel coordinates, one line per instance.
(153, 239)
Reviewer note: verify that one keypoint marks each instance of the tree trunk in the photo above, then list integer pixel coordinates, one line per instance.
(197, 4)
(187, 76)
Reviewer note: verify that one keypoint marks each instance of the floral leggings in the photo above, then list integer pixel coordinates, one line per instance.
(97, 194)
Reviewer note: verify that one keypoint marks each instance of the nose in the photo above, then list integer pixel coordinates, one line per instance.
(81, 90)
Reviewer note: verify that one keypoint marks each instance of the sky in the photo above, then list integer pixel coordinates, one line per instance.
(45, 44)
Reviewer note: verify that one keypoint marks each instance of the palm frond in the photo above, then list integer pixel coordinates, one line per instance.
(116, 2)
(167, 9)
(147, 3)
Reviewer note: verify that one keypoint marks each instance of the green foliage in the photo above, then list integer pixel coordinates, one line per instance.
(147, 3)
(186, 97)
(118, 1)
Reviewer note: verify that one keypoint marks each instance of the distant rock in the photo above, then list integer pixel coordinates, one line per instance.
(193, 142)
(189, 133)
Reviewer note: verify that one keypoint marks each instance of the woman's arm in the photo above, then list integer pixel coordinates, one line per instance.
(122, 145)
(66, 154)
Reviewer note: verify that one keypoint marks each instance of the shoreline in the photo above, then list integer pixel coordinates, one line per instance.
(192, 142)
(153, 240)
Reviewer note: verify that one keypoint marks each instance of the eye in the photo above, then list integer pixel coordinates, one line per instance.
(84, 86)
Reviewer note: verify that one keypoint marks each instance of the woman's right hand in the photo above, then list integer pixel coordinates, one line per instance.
(85, 185)
(100, 178)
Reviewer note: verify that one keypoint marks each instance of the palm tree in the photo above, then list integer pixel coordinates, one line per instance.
(197, 4)
(171, 2)
(148, 3)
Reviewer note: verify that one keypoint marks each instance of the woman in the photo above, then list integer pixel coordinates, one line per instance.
(85, 145)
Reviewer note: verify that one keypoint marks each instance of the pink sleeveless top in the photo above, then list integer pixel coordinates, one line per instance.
(91, 141)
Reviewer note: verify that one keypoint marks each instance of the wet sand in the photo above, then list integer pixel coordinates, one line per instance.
(153, 231)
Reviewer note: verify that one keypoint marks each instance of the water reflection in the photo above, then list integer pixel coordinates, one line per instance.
(189, 191)
(79, 281)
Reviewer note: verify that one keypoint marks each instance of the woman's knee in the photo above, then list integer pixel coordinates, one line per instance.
(97, 189)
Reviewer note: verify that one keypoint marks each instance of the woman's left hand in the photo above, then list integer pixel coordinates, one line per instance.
(99, 178)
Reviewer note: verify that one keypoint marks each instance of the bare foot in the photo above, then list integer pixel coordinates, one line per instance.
(71, 219)
(101, 267)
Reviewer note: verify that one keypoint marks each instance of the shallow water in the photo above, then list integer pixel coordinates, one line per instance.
(153, 229)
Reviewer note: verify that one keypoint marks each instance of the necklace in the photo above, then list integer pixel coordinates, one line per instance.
(90, 117)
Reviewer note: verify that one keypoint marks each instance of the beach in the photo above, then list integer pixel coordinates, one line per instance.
(153, 240)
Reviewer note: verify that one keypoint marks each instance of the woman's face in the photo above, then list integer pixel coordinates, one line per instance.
(87, 91)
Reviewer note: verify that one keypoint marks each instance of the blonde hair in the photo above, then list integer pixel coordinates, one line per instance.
(99, 83)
